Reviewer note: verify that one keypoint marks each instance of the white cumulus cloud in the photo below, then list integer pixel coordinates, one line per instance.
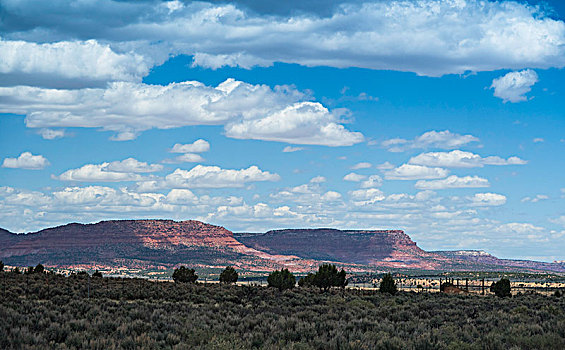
(362, 165)
(185, 158)
(132, 165)
(372, 181)
(514, 86)
(247, 111)
(197, 146)
(98, 173)
(307, 123)
(354, 177)
(520, 228)
(26, 160)
(67, 63)
(487, 199)
(461, 159)
(366, 196)
(453, 181)
(215, 177)
(50, 134)
(415, 172)
(431, 139)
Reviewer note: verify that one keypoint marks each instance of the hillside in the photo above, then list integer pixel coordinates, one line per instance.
(136, 244)
(163, 244)
(385, 248)
(481, 260)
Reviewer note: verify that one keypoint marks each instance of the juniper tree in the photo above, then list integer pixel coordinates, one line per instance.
(184, 275)
(282, 279)
(388, 285)
(501, 288)
(39, 269)
(306, 281)
(328, 276)
(229, 275)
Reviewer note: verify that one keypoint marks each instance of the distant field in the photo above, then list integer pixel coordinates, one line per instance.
(77, 312)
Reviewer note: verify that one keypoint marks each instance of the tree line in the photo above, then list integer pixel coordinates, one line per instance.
(325, 278)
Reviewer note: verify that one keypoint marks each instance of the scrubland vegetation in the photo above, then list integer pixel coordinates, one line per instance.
(48, 311)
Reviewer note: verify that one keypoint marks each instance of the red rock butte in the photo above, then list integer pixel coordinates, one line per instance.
(167, 243)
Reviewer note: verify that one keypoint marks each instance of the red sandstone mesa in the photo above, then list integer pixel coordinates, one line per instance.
(163, 244)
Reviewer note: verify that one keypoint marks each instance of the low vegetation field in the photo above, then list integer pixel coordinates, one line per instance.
(47, 311)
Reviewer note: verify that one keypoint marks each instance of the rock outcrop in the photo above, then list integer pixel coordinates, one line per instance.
(163, 244)
(137, 244)
(387, 248)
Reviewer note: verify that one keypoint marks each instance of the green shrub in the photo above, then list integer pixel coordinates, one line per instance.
(306, 281)
(327, 277)
(39, 269)
(388, 285)
(184, 275)
(281, 280)
(229, 275)
(501, 288)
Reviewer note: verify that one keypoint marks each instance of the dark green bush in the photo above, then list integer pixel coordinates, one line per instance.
(307, 281)
(184, 275)
(39, 269)
(281, 280)
(501, 288)
(327, 276)
(228, 275)
(388, 285)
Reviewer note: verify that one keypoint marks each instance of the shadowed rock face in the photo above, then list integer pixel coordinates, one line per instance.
(357, 247)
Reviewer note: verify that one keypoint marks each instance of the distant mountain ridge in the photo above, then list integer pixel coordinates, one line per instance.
(481, 258)
(163, 244)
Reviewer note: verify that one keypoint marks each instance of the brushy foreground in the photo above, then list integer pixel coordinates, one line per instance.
(54, 312)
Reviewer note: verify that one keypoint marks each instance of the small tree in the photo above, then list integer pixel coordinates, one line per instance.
(39, 269)
(97, 274)
(229, 275)
(328, 276)
(282, 279)
(1, 265)
(30, 270)
(306, 281)
(184, 275)
(388, 285)
(501, 288)
(16, 270)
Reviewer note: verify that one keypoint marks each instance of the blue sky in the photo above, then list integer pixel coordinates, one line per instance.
(442, 118)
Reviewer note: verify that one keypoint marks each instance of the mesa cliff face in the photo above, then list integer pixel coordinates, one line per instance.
(391, 248)
(136, 244)
(163, 244)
